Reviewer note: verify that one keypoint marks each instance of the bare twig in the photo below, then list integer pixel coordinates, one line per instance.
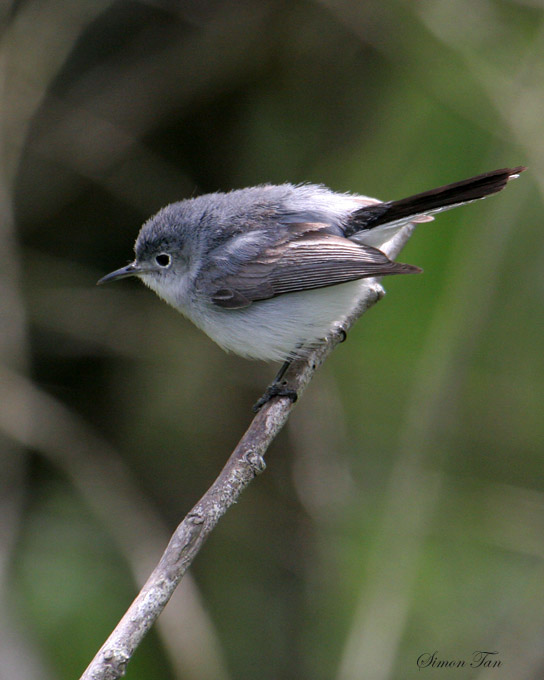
(244, 464)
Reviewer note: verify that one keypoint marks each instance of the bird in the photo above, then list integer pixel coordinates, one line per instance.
(267, 271)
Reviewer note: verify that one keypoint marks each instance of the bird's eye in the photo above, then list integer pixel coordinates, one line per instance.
(163, 260)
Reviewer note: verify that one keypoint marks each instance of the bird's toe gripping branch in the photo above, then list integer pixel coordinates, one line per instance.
(275, 389)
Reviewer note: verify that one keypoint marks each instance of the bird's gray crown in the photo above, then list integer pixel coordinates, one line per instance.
(220, 216)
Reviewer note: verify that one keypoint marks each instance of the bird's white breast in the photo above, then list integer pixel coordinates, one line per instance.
(280, 327)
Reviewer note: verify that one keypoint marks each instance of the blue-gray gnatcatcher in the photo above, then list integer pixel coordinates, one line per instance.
(267, 271)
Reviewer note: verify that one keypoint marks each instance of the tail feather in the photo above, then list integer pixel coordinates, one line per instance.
(428, 202)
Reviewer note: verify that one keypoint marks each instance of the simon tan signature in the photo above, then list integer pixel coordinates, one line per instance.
(478, 659)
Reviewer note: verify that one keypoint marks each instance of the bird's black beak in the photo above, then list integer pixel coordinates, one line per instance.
(132, 269)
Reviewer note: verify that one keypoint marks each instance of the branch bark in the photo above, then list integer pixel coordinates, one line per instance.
(244, 464)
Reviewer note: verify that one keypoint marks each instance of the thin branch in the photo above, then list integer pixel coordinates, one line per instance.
(244, 464)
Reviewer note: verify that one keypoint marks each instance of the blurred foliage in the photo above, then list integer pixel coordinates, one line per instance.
(402, 511)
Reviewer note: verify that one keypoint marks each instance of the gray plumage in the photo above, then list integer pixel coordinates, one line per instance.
(266, 271)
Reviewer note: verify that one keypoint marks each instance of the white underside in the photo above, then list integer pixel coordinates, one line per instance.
(281, 327)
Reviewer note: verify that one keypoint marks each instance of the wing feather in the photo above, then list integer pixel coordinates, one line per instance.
(305, 257)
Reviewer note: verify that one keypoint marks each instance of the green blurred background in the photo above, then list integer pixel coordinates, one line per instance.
(402, 511)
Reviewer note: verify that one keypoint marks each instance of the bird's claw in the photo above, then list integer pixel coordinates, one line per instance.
(275, 389)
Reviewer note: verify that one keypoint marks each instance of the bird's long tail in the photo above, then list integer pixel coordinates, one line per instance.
(393, 214)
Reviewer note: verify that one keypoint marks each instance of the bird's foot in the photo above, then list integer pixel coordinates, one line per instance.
(275, 389)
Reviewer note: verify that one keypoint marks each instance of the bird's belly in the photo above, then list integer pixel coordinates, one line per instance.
(281, 327)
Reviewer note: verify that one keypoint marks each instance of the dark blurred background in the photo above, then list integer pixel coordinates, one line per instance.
(402, 511)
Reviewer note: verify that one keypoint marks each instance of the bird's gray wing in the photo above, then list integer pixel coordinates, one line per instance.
(305, 256)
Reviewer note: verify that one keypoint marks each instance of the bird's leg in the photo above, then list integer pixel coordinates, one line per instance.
(282, 371)
(277, 388)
